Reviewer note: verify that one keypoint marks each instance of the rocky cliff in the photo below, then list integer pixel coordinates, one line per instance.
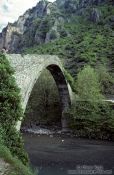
(45, 22)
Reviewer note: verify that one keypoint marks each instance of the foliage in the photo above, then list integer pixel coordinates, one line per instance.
(10, 109)
(53, 34)
(45, 26)
(43, 107)
(2, 134)
(16, 167)
(70, 80)
(106, 80)
(85, 43)
(88, 86)
(91, 115)
(92, 121)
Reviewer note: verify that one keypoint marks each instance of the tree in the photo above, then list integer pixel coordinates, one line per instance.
(106, 80)
(88, 86)
(91, 115)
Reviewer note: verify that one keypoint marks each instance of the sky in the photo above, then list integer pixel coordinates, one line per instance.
(10, 10)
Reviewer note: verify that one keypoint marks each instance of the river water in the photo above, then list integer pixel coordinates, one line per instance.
(54, 155)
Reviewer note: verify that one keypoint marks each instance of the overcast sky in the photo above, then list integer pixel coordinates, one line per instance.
(10, 10)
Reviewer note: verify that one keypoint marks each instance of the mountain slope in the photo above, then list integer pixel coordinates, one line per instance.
(79, 31)
(87, 36)
(46, 21)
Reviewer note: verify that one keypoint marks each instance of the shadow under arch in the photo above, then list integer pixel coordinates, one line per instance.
(63, 92)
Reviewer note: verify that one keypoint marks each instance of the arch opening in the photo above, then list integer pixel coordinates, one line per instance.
(59, 89)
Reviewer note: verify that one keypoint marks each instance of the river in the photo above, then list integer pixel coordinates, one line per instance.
(54, 155)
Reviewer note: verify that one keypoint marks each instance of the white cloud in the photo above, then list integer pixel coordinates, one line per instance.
(10, 10)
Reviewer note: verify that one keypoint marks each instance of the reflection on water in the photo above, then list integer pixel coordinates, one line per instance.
(56, 155)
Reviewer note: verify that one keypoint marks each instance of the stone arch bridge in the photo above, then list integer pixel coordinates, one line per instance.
(27, 71)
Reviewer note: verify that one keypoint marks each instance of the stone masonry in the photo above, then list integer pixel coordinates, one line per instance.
(27, 71)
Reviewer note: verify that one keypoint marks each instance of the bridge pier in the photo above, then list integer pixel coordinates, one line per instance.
(64, 122)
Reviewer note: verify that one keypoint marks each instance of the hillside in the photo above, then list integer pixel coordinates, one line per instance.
(85, 36)
(79, 31)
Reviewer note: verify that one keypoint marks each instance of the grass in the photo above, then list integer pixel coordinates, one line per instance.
(16, 166)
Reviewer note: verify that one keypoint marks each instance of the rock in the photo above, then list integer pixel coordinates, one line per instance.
(4, 167)
(6, 36)
(60, 3)
(42, 8)
(68, 5)
(110, 23)
(71, 6)
(95, 15)
(85, 3)
(39, 131)
(10, 36)
(53, 33)
(112, 19)
(44, 23)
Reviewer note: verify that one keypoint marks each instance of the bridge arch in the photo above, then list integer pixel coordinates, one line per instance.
(27, 71)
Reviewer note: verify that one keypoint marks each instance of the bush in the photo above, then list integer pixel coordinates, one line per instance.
(15, 165)
(106, 80)
(88, 122)
(10, 109)
(70, 80)
(91, 116)
(88, 86)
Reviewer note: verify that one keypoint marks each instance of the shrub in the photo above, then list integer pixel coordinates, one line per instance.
(16, 167)
(91, 116)
(10, 109)
(88, 86)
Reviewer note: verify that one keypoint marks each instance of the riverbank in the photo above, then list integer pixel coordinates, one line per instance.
(57, 132)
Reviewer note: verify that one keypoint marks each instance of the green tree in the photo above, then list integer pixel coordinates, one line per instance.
(91, 115)
(88, 86)
(106, 80)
